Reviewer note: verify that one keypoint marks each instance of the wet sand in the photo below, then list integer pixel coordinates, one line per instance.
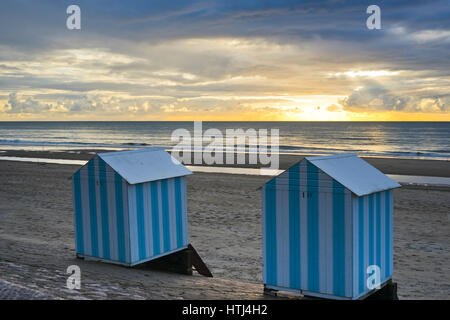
(434, 168)
(37, 239)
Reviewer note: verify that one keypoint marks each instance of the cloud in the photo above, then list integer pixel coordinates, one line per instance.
(334, 108)
(365, 73)
(208, 56)
(26, 105)
(424, 36)
(374, 97)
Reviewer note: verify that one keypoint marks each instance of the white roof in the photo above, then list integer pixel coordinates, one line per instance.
(354, 173)
(144, 165)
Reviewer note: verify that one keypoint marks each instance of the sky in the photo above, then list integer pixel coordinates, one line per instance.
(226, 60)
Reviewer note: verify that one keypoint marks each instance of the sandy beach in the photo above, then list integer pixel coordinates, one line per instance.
(37, 238)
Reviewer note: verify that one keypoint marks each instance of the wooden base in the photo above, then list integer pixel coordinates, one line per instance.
(177, 262)
(129, 264)
(388, 292)
(198, 263)
(270, 292)
(180, 262)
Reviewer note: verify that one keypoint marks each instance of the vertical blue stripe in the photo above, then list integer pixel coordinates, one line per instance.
(271, 233)
(338, 239)
(313, 227)
(140, 221)
(104, 208)
(361, 271)
(387, 226)
(165, 214)
(120, 217)
(371, 230)
(93, 208)
(378, 229)
(155, 217)
(78, 213)
(294, 227)
(178, 212)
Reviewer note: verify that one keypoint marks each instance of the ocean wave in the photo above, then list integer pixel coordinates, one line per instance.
(28, 142)
(283, 149)
(136, 144)
(39, 143)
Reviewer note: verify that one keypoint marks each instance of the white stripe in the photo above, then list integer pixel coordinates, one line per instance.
(355, 244)
(391, 231)
(133, 223)
(304, 227)
(297, 229)
(126, 220)
(325, 234)
(374, 224)
(172, 213)
(366, 239)
(383, 235)
(77, 245)
(160, 215)
(110, 187)
(348, 243)
(184, 211)
(148, 223)
(282, 234)
(264, 236)
(99, 208)
(84, 182)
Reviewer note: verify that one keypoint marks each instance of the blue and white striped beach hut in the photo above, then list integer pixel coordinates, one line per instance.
(325, 221)
(130, 206)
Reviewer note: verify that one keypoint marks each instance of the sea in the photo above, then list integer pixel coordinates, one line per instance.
(414, 140)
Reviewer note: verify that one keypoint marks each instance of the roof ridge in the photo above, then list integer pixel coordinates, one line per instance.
(348, 184)
(333, 156)
(354, 173)
(144, 165)
(113, 153)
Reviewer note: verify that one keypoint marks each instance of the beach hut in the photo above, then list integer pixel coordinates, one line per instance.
(130, 206)
(327, 226)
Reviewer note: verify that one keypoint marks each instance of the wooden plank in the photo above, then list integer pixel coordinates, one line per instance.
(198, 263)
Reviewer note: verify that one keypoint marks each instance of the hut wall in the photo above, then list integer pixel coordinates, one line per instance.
(373, 238)
(158, 218)
(101, 212)
(307, 232)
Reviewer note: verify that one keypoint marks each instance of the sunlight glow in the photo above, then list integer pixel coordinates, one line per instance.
(365, 73)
